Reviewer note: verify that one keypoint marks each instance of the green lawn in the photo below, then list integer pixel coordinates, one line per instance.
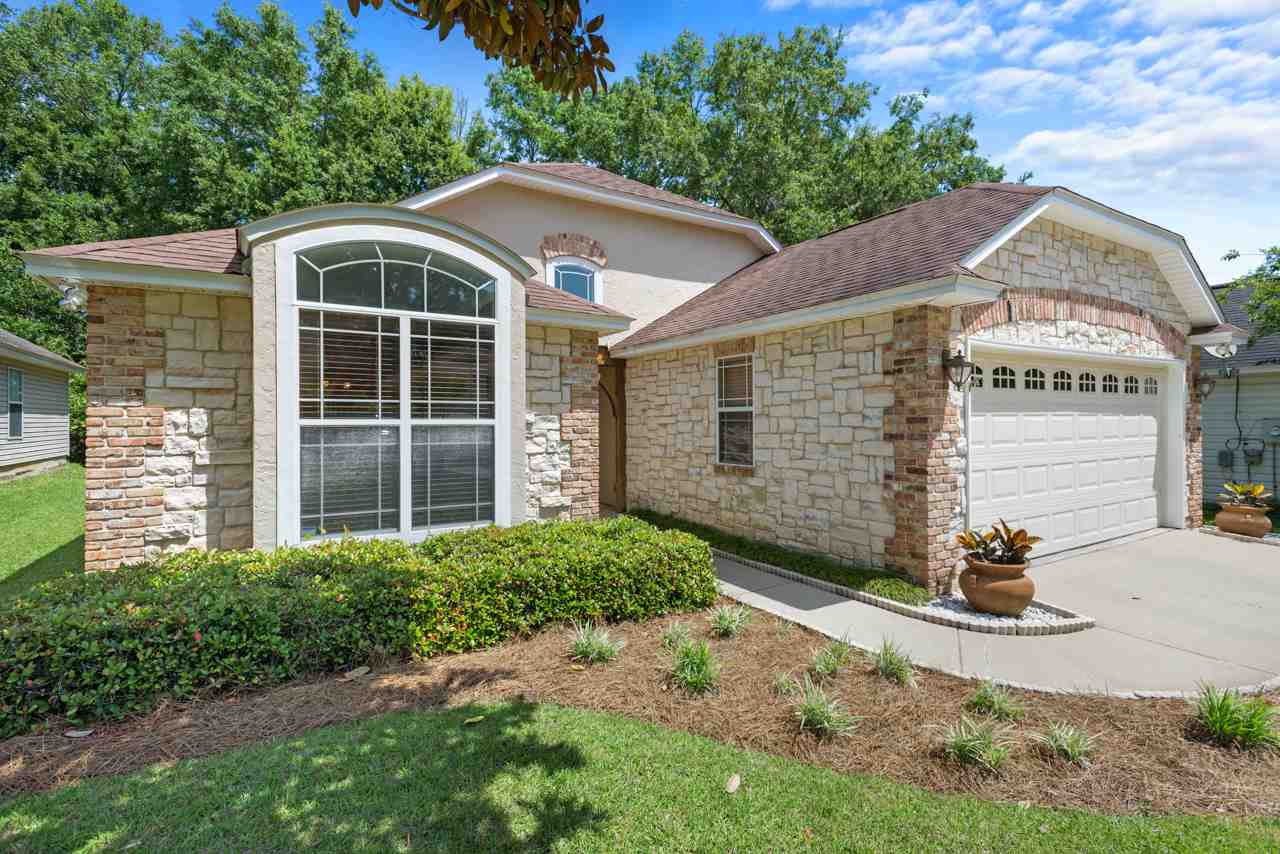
(1210, 513)
(41, 529)
(533, 778)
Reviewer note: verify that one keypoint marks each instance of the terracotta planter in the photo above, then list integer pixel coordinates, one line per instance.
(997, 588)
(1243, 519)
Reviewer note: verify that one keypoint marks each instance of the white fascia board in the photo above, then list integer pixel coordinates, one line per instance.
(14, 355)
(72, 270)
(576, 320)
(955, 290)
(1168, 248)
(1207, 339)
(324, 215)
(757, 233)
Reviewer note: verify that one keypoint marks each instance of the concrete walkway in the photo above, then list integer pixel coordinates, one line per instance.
(1174, 609)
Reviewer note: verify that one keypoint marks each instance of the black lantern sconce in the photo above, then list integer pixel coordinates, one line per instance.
(959, 370)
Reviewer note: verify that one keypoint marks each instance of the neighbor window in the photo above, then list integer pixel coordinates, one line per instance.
(15, 402)
(734, 411)
(396, 380)
(577, 278)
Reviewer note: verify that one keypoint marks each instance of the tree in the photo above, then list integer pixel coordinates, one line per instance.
(564, 53)
(773, 131)
(1263, 304)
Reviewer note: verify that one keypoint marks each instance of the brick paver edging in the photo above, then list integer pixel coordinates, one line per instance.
(1073, 623)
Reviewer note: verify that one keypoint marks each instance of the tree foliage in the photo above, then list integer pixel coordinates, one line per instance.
(563, 51)
(1263, 283)
(770, 130)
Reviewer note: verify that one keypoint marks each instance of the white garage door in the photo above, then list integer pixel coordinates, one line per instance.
(1067, 450)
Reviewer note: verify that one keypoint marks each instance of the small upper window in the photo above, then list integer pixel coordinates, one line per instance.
(1088, 383)
(1062, 381)
(1130, 385)
(976, 382)
(1110, 384)
(15, 388)
(1033, 379)
(1151, 385)
(1004, 377)
(577, 279)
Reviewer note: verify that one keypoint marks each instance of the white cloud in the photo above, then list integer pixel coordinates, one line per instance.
(1066, 54)
(1184, 12)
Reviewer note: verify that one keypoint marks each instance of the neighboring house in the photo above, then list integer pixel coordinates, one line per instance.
(36, 431)
(1241, 417)
(402, 370)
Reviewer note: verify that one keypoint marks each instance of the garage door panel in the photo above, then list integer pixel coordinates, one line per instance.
(1073, 467)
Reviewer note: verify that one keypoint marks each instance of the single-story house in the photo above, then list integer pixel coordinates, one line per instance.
(1241, 417)
(541, 340)
(36, 433)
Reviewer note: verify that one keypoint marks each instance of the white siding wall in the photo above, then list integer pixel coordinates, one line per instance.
(46, 430)
(1259, 399)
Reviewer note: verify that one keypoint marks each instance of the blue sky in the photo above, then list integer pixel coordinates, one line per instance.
(1166, 109)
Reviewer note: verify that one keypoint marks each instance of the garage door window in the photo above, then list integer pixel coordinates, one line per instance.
(1033, 379)
(1088, 383)
(1003, 377)
(1130, 385)
(977, 377)
(1151, 386)
(1062, 381)
(1110, 384)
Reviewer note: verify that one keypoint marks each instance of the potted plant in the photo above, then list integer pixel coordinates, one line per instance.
(995, 580)
(1244, 509)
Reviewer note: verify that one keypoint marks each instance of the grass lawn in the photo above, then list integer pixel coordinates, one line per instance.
(1210, 513)
(542, 777)
(42, 529)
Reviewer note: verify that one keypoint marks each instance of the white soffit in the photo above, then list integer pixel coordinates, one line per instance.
(1168, 249)
(755, 232)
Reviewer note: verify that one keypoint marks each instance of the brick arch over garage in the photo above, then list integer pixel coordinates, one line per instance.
(1048, 304)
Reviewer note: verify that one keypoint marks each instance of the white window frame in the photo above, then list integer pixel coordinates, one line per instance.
(597, 285)
(749, 359)
(21, 403)
(288, 423)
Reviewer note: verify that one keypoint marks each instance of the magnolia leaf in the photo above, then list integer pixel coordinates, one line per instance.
(78, 733)
(595, 23)
(472, 721)
(734, 782)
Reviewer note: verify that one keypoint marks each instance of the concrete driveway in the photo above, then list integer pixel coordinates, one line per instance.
(1174, 609)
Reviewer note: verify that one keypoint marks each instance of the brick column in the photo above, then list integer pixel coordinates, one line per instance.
(924, 426)
(1195, 444)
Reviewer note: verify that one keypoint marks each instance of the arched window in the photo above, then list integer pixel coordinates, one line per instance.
(1033, 379)
(1088, 383)
(1151, 385)
(1110, 384)
(397, 393)
(976, 382)
(578, 277)
(1004, 377)
(1062, 381)
(1130, 385)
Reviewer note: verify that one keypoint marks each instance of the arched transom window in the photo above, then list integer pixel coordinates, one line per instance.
(396, 390)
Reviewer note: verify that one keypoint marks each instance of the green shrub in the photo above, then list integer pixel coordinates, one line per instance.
(994, 702)
(831, 659)
(892, 663)
(870, 580)
(785, 685)
(676, 633)
(695, 668)
(1230, 720)
(591, 643)
(1065, 741)
(728, 621)
(111, 644)
(821, 712)
(985, 745)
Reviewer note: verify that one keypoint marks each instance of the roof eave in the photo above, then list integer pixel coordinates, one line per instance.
(590, 321)
(955, 289)
(62, 270)
(14, 354)
(755, 232)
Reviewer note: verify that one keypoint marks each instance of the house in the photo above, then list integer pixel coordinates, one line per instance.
(539, 340)
(1241, 417)
(36, 434)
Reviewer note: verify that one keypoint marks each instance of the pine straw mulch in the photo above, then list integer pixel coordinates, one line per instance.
(1148, 759)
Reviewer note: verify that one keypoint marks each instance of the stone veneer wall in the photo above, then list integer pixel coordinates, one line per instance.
(562, 423)
(823, 474)
(168, 424)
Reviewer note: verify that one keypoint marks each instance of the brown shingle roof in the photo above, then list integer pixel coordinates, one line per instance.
(596, 177)
(538, 294)
(11, 342)
(214, 251)
(921, 241)
(1264, 351)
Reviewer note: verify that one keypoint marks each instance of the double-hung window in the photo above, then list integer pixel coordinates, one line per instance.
(14, 394)
(396, 390)
(735, 412)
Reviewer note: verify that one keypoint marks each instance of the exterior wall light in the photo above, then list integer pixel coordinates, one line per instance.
(1204, 387)
(959, 370)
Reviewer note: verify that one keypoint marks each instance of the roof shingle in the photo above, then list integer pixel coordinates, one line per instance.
(538, 294)
(1265, 351)
(915, 243)
(215, 251)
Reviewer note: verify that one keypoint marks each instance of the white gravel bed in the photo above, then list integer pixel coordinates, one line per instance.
(955, 607)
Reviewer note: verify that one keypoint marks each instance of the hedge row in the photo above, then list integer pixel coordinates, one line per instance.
(112, 644)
